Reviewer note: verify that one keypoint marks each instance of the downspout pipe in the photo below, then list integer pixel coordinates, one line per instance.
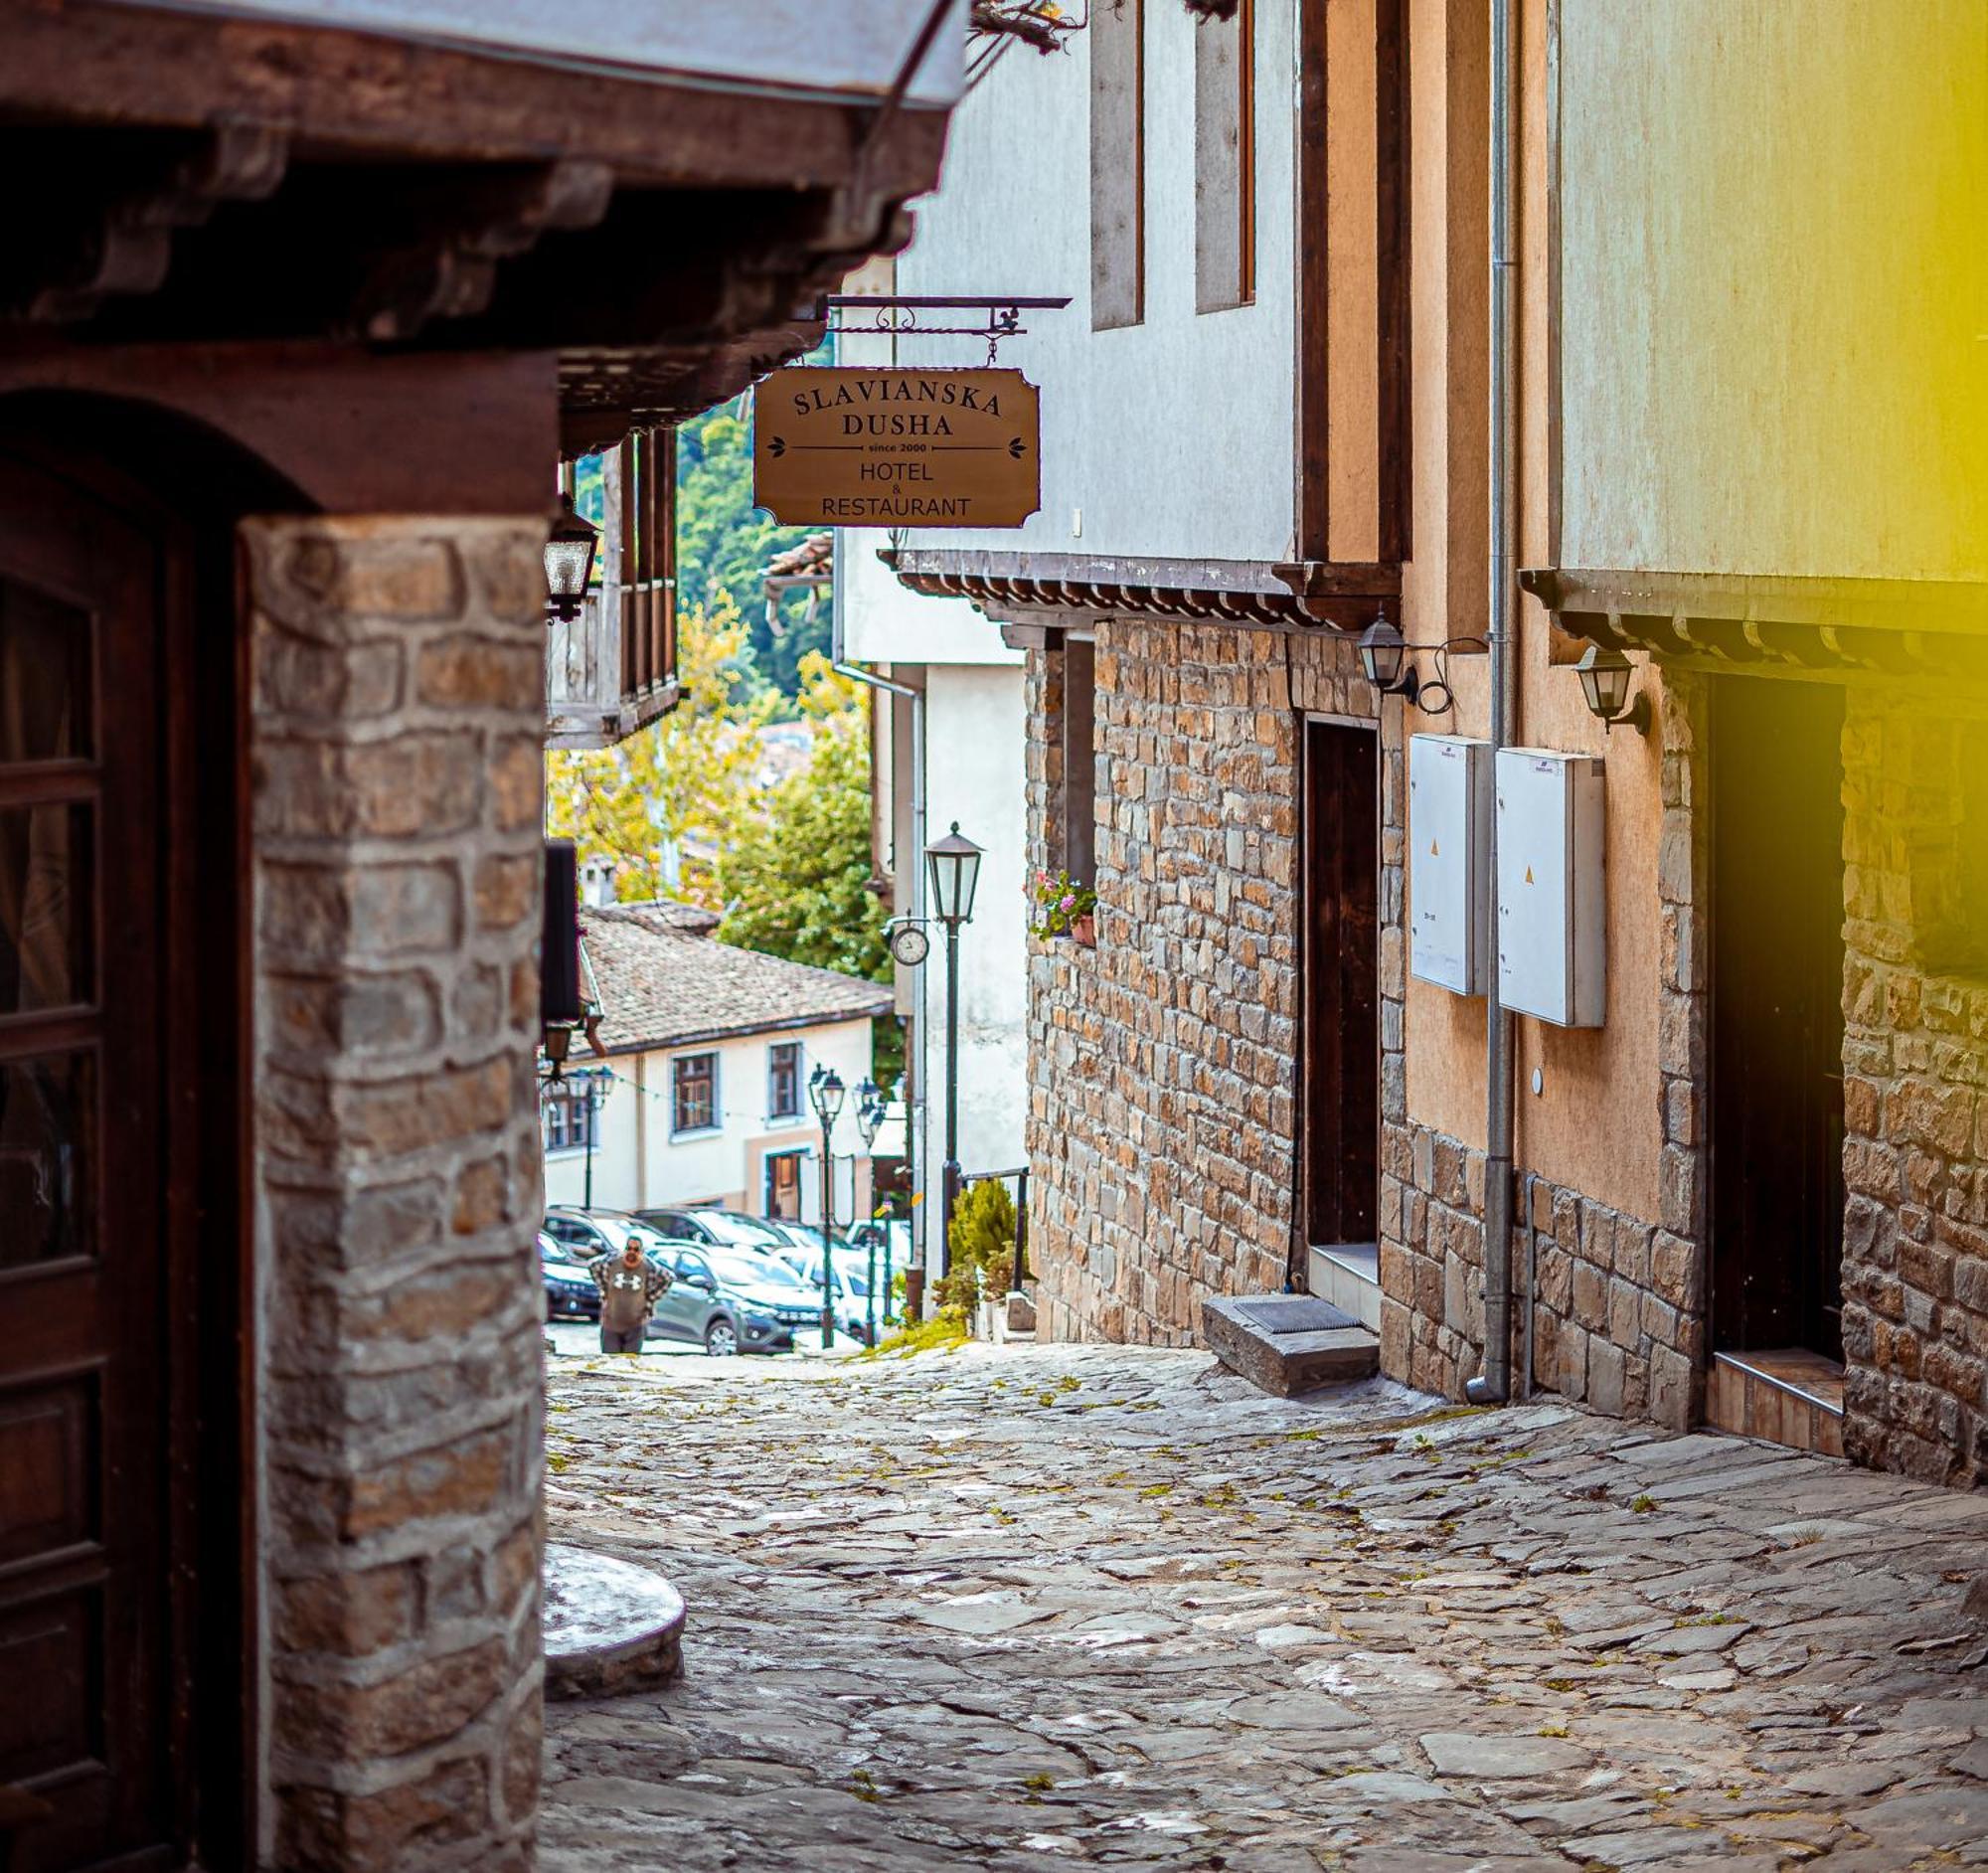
(1493, 1383)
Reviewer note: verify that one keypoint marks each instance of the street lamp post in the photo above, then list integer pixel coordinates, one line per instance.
(825, 1092)
(955, 867)
(868, 1117)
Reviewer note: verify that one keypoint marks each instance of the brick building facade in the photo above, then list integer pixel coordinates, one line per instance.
(1748, 1186)
(1163, 1116)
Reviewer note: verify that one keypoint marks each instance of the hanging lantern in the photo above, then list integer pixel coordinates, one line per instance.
(569, 563)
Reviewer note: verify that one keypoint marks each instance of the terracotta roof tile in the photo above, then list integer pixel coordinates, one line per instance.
(663, 981)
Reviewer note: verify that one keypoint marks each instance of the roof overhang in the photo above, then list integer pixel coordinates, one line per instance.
(1820, 628)
(253, 175)
(1049, 588)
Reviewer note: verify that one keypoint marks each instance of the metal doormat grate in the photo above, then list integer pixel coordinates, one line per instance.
(1294, 1313)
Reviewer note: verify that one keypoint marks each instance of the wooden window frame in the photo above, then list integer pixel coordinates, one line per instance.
(1078, 728)
(775, 1049)
(1219, 195)
(714, 1122)
(1108, 157)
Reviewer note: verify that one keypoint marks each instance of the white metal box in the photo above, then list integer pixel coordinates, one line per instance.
(1553, 897)
(1449, 885)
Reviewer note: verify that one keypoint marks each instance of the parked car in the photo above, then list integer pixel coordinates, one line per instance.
(801, 1237)
(571, 1291)
(717, 1228)
(586, 1234)
(849, 1274)
(731, 1303)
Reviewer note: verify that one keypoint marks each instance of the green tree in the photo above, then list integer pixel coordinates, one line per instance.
(724, 544)
(683, 783)
(795, 881)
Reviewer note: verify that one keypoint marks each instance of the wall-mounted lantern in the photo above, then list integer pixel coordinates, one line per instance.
(1605, 675)
(1383, 655)
(569, 563)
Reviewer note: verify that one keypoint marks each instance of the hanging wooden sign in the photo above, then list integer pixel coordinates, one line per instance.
(897, 447)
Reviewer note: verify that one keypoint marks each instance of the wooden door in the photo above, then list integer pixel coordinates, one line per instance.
(90, 1710)
(1340, 1148)
(783, 1186)
(1776, 1095)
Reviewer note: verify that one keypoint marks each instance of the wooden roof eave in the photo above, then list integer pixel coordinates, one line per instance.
(1031, 588)
(1828, 629)
(222, 181)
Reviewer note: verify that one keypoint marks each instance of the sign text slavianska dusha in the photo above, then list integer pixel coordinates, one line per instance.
(877, 447)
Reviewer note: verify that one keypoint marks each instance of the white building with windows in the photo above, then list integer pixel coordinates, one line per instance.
(702, 1096)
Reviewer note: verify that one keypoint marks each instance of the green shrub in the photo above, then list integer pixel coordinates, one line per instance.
(982, 1245)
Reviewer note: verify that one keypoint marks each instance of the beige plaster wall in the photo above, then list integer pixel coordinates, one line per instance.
(1596, 1127)
(1774, 286)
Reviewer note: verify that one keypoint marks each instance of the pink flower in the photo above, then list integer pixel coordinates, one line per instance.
(1066, 900)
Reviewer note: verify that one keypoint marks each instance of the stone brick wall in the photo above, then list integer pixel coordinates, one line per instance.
(1163, 1109)
(397, 716)
(1915, 1065)
(1620, 1319)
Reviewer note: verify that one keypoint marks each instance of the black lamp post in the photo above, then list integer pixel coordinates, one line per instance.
(954, 866)
(825, 1092)
(868, 1117)
(568, 562)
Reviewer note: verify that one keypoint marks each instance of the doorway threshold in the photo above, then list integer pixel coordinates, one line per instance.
(1784, 1395)
(1347, 1274)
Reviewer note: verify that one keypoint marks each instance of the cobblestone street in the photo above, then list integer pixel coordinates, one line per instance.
(1008, 1609)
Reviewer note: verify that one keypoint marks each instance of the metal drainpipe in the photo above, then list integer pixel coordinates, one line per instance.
(1493, 1384)
(914, 1104)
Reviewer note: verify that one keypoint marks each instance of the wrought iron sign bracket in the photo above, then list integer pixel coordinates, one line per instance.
(992, 316)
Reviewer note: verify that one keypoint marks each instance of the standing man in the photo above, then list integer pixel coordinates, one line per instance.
(630, 1285)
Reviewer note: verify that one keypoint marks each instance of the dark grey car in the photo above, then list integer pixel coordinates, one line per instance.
(730, 1302)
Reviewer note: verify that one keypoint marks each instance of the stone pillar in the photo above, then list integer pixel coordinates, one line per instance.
(395, 736)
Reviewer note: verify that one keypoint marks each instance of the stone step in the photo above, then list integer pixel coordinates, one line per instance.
(1289, 1343)
(610, 1626)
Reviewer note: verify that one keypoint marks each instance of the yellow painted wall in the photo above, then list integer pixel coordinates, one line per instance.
(1775, 285)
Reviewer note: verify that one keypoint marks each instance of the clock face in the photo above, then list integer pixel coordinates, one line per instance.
(909, 945)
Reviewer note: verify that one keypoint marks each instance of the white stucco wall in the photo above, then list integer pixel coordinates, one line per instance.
(637, 1165)
(1173, 437)
(975, 738)
(1774, 286)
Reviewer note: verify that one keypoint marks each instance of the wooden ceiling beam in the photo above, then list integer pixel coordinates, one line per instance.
(102, 221)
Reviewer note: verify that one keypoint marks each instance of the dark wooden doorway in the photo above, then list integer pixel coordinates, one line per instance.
(1339, 1157)
(1776, 1093)
(124, 1521)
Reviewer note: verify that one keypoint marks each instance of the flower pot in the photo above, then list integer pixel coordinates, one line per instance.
(1084, 929)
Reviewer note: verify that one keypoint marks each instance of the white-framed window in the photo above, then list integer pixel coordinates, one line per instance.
(784, 1079)
(568, 1113)
(694, 1092)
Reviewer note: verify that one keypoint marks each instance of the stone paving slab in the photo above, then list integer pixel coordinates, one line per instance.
(1015, 1608)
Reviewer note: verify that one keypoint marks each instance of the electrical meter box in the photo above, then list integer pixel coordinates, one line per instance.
(1552, 893)
(1449, 886)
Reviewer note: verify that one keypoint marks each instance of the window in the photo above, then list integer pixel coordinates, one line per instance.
(1118, 38)
(696, 1085)
(784, 1079)
(1224, 161)
(569, 1118)
(1080, 759)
